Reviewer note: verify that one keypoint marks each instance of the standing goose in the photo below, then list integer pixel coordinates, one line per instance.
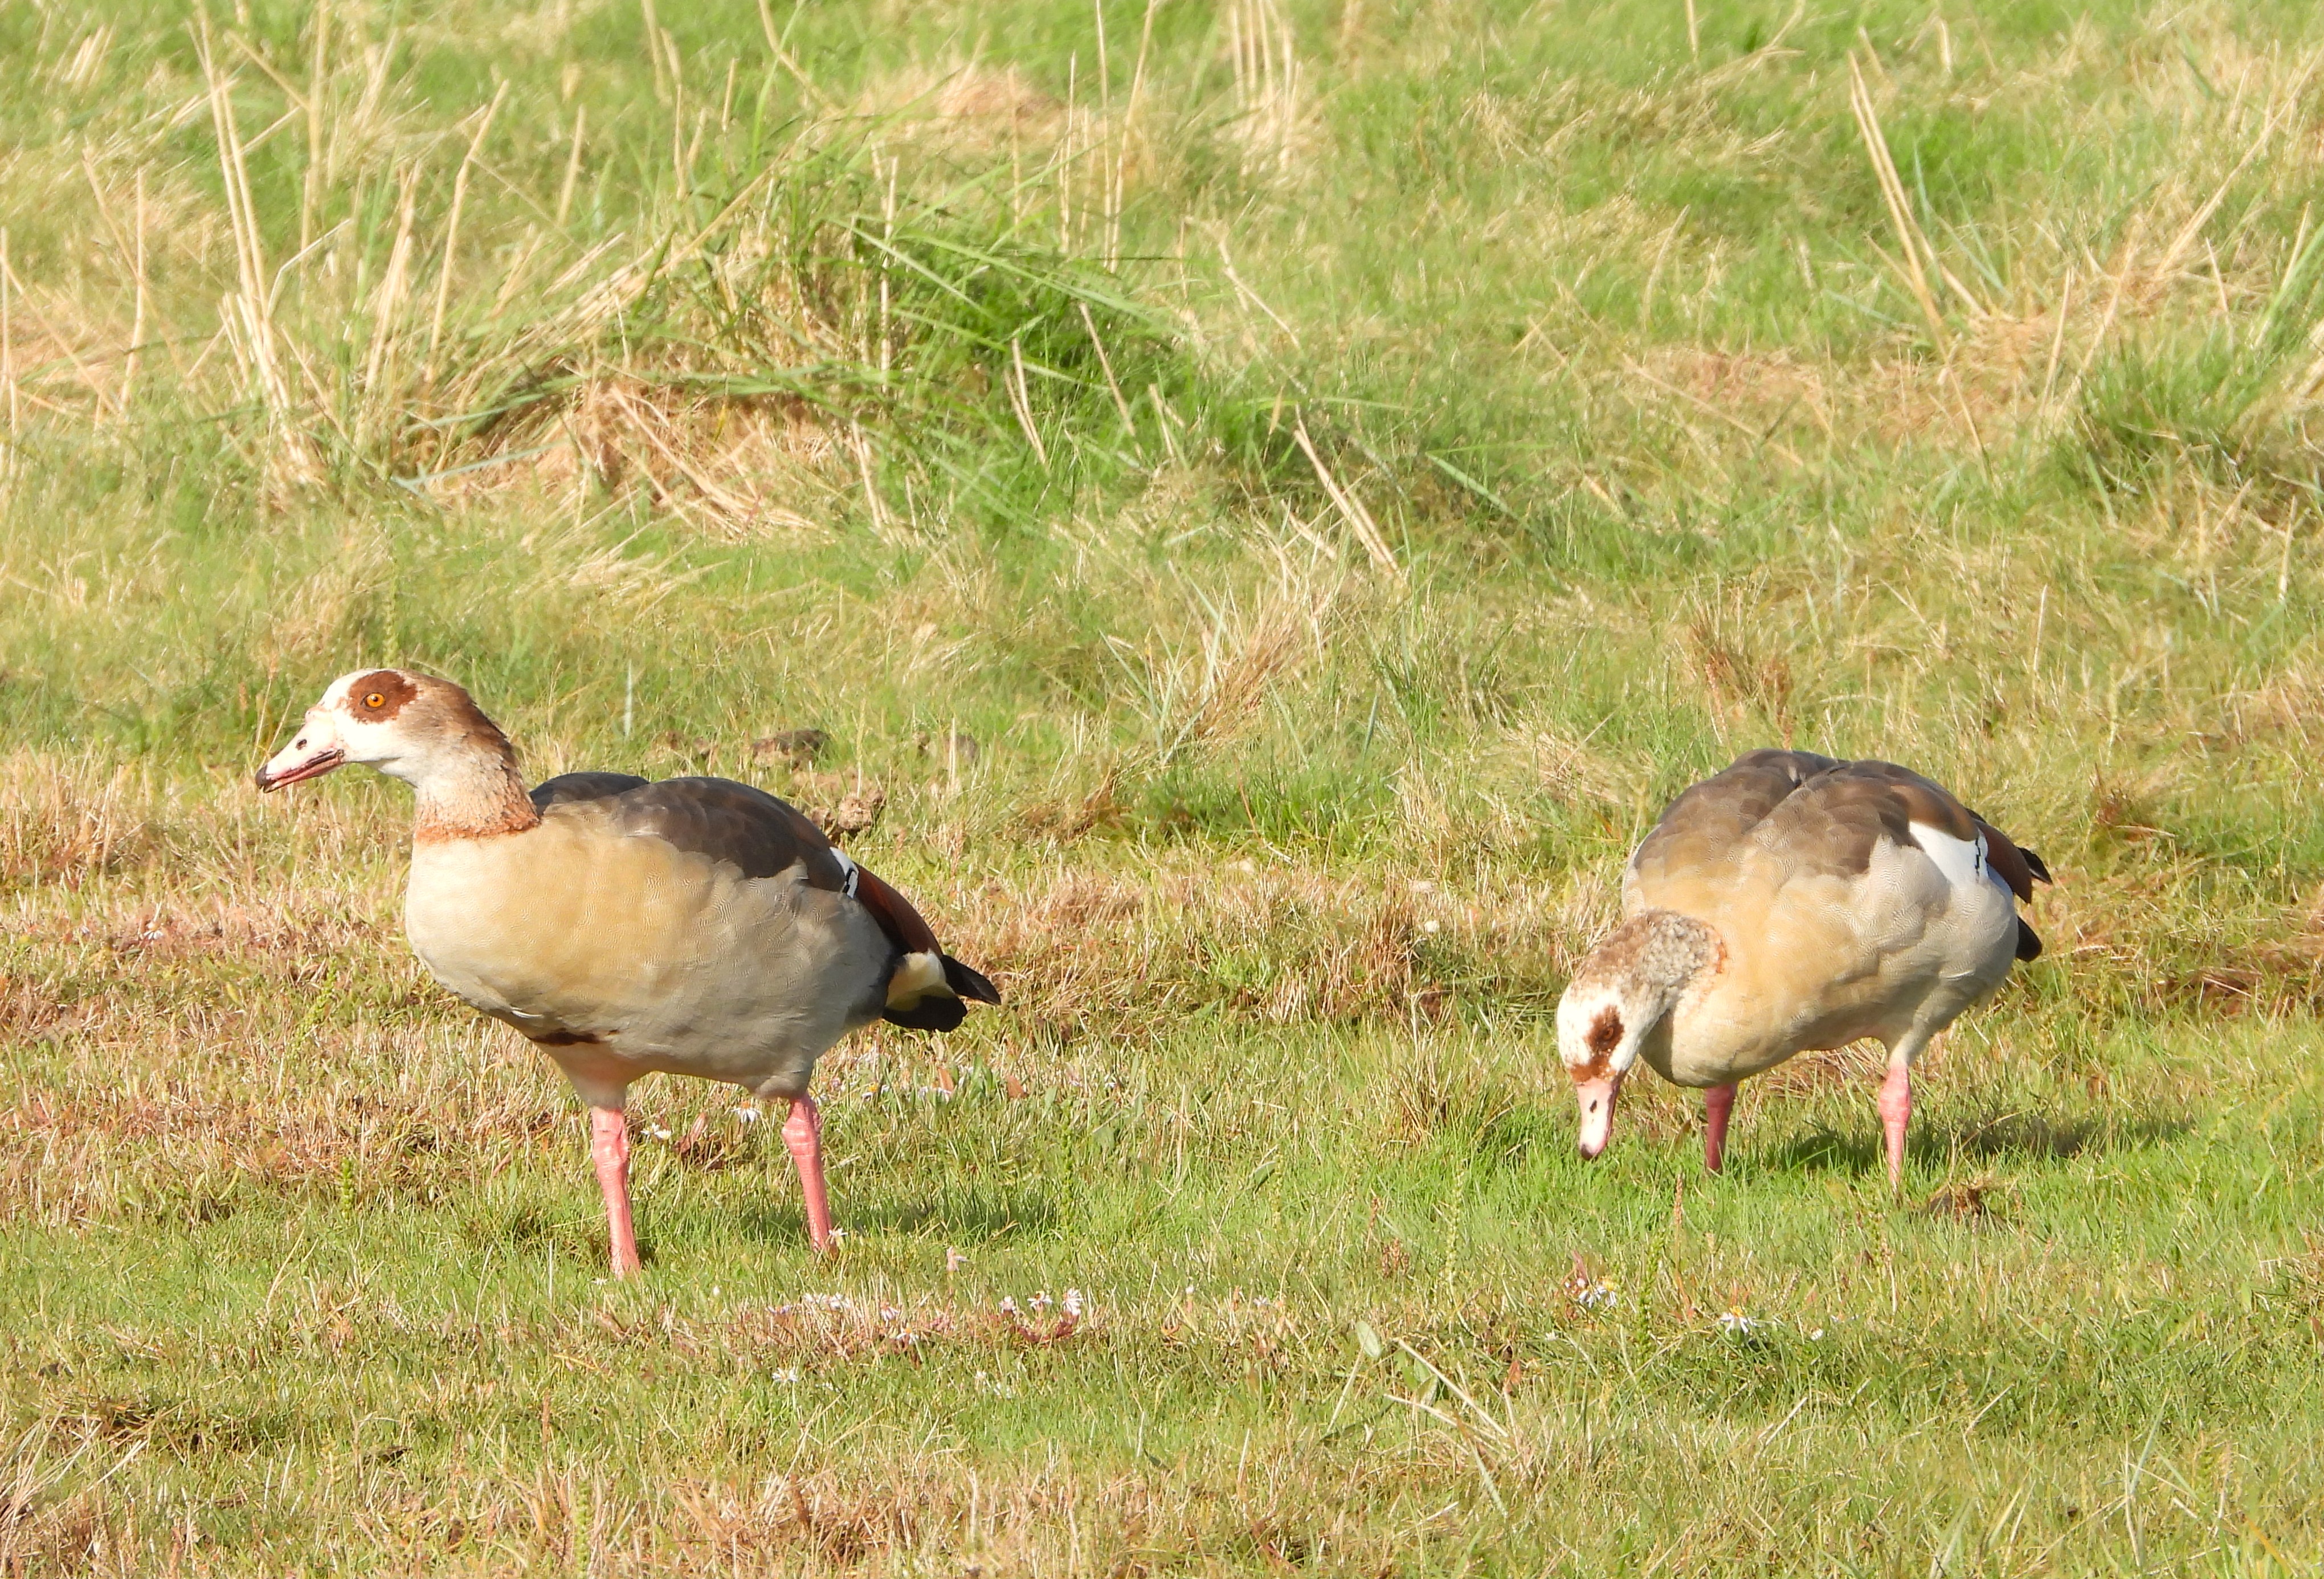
(696, 925)
(1795, 903)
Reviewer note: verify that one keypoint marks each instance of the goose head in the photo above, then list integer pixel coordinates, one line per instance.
(411, 726)
(1618, 998)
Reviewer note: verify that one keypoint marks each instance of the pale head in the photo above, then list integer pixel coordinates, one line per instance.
(1616, 1000)
(411, 726)
(422, 729)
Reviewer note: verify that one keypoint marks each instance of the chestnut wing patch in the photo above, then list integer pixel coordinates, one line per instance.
(735, 822)
(904, 925)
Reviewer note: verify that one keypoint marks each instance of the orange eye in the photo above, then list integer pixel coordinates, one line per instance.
(375, 700)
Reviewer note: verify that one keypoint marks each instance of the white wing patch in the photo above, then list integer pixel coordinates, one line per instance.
(847, 870)
(1963, 861)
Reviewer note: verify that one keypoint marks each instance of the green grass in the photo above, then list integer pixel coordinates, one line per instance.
(1340, 502)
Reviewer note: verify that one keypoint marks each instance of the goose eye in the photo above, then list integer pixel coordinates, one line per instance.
(375, 700)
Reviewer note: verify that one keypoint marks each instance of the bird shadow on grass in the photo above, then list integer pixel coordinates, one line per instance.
(980, 1216)
(2017, 1134)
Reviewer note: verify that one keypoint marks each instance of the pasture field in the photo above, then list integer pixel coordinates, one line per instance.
(1268, 498)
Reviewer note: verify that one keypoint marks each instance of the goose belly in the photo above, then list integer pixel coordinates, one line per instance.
(664, 958)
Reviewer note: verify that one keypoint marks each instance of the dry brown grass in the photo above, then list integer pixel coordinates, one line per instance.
(64, 821)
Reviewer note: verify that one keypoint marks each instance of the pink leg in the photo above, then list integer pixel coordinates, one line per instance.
(609, 1149)
(803, 1133)
(1717, 1102)
(1895, 1114)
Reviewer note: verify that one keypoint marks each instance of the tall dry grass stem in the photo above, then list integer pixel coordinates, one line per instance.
(1351, 509)
(452, 224)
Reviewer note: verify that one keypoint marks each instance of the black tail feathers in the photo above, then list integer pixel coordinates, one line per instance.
(931, 1013)
(969, 983)
(938, 1011)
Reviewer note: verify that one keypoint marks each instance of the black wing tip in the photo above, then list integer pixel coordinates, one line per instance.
(969, 983)
(2037, 866)
(932, 1013)
(2029, 942)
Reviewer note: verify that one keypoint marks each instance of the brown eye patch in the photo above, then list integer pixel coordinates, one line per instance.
(1605, 1032)
(379, 695)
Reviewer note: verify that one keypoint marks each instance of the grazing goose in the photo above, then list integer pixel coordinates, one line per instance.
(1788, 904)
(696, 925)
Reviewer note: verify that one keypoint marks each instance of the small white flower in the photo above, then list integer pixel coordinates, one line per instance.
(1735, 1321)
(1042, 1301)
(1073, 1305)
(1816, 1336)
(787, 1377)
(1009, 1305)
(656, 1132)
(1429, 928)
(746, 1115)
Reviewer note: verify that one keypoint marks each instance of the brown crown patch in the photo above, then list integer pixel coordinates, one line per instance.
(380, 695)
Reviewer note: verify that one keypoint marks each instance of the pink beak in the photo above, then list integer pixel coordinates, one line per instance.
(288, 768)
(1597, 1099)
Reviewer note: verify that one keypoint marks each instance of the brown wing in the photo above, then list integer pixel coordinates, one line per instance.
(1706, 823)
(1834, 820)
(1821, 816)
(570, 786)
(763, 835)
(728, 821)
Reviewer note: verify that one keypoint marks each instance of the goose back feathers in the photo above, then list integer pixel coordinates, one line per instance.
(1851, 898)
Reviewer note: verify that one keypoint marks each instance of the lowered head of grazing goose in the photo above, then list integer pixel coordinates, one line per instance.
(695, 926)
(1792, 903)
